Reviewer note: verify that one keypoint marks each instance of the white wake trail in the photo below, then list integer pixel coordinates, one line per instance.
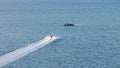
(14, 55)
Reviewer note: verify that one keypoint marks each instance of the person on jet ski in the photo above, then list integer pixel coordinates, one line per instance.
(51, 36)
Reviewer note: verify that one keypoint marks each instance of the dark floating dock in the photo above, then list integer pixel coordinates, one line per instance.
(69, 24)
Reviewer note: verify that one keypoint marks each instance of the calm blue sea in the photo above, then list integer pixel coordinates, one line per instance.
(93, 43)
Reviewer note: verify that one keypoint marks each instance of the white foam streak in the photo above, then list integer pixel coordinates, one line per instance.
(14, 55)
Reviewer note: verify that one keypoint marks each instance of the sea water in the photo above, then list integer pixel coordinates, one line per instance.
(93, 43)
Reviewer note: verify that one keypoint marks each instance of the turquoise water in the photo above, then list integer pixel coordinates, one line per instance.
(94, 43)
